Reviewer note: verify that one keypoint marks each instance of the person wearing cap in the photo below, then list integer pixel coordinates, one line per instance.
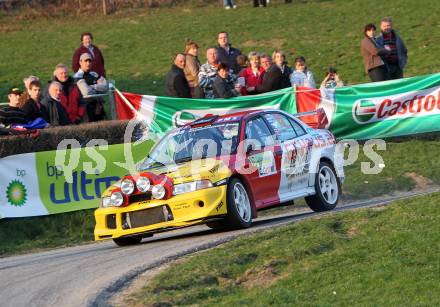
(90, 82)
(87, 47)
(12, 114)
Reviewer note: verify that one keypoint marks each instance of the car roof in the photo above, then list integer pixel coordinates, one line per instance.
(230, 117)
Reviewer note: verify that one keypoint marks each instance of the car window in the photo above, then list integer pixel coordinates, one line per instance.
(257, 129)
(281, 126)
(297, 127)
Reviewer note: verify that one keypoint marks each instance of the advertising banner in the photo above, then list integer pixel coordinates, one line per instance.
(35, 184)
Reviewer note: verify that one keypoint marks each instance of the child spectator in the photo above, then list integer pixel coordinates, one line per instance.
(332, 79)
(33, 108)
(223, 86)
(301, 76)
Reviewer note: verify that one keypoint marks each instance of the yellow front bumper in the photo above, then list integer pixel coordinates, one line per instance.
(187, 209)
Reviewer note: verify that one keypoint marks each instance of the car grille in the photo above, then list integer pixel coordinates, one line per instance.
(111, 221)
(139, 197)
(146, 217)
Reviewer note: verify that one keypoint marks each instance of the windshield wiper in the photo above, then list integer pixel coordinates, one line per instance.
(185, 159)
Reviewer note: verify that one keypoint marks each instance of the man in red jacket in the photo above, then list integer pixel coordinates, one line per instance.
(95, 53)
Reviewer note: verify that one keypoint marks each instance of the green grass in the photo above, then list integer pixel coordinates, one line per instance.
(371, 257)
(138, 44)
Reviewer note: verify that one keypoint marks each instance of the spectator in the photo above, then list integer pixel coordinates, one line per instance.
(253, 75)
(208, 72)
(332, 79)
(33, 108)
(371, 53)
(242, 62)
(12, 114)
(260, 3)
(223, 86)
(192, 67)
(90, 82)
(87, 47)
(279, 59)
(226, 53)
(71, 96)
(57, 113)
(26, 94)
(228, 4)
(301, 76)
(176, 84)
(397, 57)
(271, 77)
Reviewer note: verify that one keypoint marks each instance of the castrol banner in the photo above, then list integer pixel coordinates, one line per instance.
(365, 111)
(387, 109)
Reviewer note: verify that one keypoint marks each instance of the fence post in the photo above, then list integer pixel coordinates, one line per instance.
(112, 99)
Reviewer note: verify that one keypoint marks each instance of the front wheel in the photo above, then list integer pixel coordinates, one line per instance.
(327, 187)
(239, 205)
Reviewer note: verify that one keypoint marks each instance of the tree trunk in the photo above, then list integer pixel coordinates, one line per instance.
(104, 7)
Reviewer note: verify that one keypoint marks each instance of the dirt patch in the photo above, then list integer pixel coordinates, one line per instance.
(274, 42)
(8, 29)
(261, 277)
(421, 182)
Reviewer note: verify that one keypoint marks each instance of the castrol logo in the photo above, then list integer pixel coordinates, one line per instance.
(404, 105)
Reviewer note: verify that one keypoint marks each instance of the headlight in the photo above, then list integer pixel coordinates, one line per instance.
(106, 202)
(127, 186)
(191, 186)
(117, 199)
(158, 191)
(143, 184)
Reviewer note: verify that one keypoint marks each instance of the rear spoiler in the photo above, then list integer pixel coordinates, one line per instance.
(316, 119)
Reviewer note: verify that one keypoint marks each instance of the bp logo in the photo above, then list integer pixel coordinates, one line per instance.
(16, 193)
(364, 111)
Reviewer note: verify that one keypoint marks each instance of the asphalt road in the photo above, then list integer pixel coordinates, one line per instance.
(88, 275)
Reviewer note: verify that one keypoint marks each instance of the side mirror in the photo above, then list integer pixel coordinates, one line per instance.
(248, 149)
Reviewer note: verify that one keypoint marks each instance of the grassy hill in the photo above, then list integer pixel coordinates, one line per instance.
(138, 44)
(374, 257)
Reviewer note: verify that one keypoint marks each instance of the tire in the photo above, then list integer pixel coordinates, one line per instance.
(327, 187)
(127, 241)
(239, 205)
(216, 224)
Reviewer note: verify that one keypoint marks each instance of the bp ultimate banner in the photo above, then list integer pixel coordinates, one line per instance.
(41, 183)
(374, 110)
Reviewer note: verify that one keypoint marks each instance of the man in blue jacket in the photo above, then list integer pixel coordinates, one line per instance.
(390, 40)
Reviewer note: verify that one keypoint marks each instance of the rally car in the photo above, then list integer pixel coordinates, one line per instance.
(219, 171)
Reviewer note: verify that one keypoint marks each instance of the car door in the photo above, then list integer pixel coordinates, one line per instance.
(296, 152)
(260, 147)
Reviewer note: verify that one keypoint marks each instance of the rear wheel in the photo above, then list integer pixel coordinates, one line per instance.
(327, 187)
(126, 241)
(239, 205)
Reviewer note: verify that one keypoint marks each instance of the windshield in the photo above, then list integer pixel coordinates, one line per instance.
(191, 143)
